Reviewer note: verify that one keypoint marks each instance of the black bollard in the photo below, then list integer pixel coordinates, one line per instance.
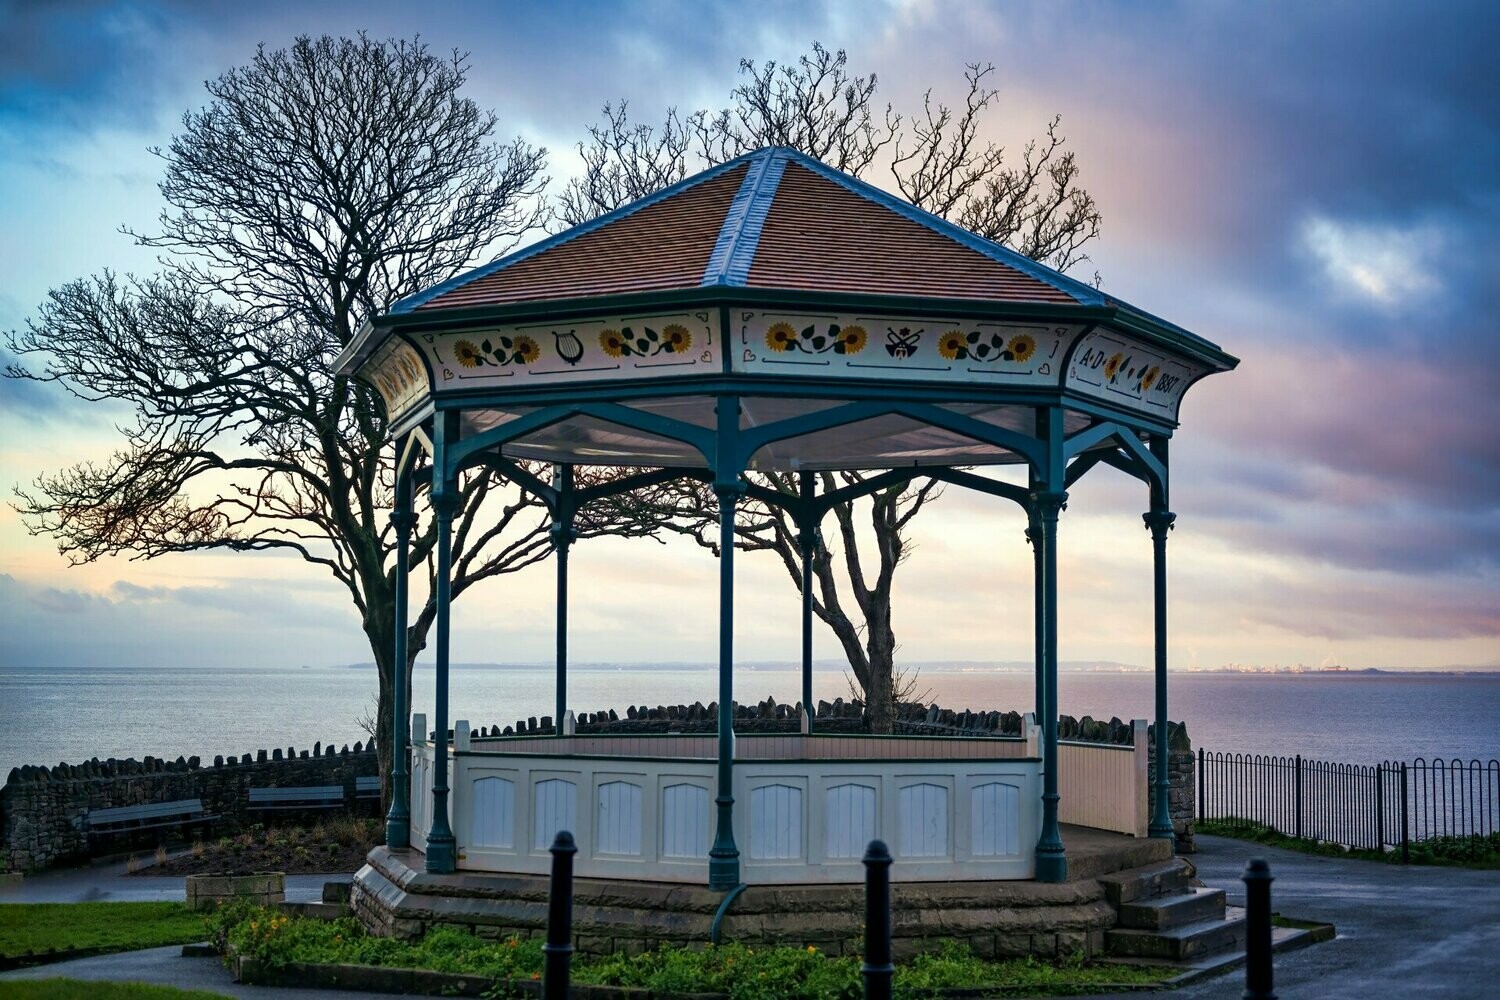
(1258, 879)
(557, 953)
(878, 972)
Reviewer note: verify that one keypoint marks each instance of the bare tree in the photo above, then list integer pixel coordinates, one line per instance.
(320, 184)
(621, 159)
(940, 161)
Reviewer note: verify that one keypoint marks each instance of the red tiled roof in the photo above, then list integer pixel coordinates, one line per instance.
(767, 221)
(664, 245)
(821, 236)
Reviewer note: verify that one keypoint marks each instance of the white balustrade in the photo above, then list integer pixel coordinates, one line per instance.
(795, 820)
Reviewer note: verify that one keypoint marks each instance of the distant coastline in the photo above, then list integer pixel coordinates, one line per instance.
(1009, 666)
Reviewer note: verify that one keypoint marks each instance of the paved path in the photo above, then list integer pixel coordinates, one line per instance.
(1402, 931)
(98, 883)
(167, 967)
(1420, 932)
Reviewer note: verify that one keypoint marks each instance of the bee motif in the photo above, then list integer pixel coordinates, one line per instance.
(901, 345)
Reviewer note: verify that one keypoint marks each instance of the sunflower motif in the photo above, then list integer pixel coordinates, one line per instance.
(612, 342)
(526, 350)
(851, 340)
(781, 336)
(1021, 347)
(1149, 379)
(676, 339)
(1112, 366)
(468, 354)
(953, 345)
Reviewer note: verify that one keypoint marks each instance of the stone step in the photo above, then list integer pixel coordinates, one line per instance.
(318, 911)
(1176, 944)
(1162, 912)
(1146, 882)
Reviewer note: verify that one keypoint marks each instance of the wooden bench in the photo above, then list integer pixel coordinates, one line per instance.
(302, 798)
(367, 787)
(149, 816)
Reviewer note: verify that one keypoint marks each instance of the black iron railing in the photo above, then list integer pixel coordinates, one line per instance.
(1363, 806)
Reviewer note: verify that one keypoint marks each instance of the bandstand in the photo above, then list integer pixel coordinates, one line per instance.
(768, 314)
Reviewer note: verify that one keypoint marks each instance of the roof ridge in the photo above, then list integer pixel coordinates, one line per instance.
(729, 264)
(998, 252)
(418, 299)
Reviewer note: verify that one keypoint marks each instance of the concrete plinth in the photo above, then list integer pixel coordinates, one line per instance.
(393, 895)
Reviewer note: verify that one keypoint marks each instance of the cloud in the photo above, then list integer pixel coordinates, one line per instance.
(1385, 264)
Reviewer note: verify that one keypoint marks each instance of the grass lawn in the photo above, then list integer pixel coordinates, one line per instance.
(71, 989)
(37, 928)
(1460, 852)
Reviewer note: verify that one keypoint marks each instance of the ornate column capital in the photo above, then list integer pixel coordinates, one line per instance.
(444, 503)
(1159, 522)
(1049, 503)
(403, 521)
(729, 490)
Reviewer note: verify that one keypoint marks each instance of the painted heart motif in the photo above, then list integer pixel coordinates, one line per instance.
(447, 374)
(706, 356)
(427, 337)
(1045, 369)
(747, 316)
(702, 317)
(749, 354)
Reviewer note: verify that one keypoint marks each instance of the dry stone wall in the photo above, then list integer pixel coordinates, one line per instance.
(42, 809)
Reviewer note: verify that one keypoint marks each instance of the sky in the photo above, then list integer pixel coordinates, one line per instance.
(1314, 187)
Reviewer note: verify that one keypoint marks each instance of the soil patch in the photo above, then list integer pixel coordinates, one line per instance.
(336, 845)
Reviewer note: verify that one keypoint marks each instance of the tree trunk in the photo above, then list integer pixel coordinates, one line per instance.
(880, 646)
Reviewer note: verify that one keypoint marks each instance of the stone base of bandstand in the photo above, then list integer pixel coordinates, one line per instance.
(394, 896)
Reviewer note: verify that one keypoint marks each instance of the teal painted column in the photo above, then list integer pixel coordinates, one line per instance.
(1033, 536)
(807, 541)
(1051, 860)
(1159, 521)
(398, 818)
(442, 849)
(562, 540)
(724, 856)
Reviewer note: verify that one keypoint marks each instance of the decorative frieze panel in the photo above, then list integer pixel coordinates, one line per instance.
(1098, 363)
(1124, 372)
(857, 346)
(398, 374)
(618, 347)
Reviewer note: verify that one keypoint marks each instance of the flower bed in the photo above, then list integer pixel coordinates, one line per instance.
(268, 947)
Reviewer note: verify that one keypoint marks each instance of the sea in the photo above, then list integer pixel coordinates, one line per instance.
(57, 715)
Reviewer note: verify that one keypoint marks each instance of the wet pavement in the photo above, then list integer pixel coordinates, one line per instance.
(1406, 931)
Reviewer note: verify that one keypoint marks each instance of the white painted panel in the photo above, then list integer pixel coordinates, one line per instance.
(554, 806)
(1102, 787)
(923, 809)
(684, 821)
(776, 822)
(848, 820)
(492, 813)
(617, 830)
(994, 820)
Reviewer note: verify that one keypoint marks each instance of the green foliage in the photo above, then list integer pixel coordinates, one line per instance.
(737, 971)
(71, 989)
(272, 937)
(1465, 852)
(39, 928)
